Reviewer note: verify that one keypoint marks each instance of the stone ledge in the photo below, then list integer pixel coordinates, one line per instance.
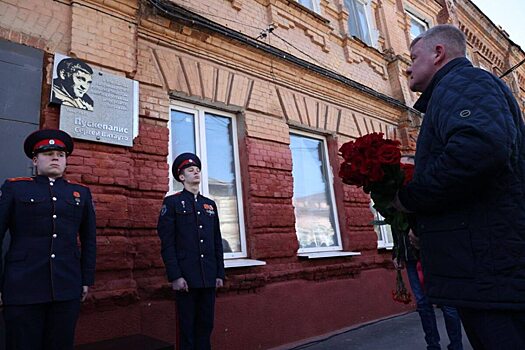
(228, 264)
(322, 255)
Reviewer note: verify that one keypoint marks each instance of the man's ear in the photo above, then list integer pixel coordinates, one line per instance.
(181, 177)
(34, 160)
(440, 54)
(62, 74)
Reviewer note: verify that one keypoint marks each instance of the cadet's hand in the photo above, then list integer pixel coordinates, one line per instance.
(85, 290)
(398, 264)
(219, 283)
(414, 240)
(179, 284)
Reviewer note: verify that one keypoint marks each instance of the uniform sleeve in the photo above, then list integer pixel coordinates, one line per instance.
(166, 230)
(6, 208)
(88, 242)
(479, 133)
(219, 253)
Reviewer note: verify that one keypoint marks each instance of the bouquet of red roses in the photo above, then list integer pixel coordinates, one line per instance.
(374, 163)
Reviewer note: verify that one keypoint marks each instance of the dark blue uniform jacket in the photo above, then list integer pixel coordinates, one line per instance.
(191, 242)
(468, 191)
(45, 218)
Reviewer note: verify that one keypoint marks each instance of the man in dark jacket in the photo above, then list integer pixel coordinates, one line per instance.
(191, 247)
(468, 190)
(46, 274)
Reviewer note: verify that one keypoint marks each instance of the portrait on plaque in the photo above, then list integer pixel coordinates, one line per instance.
(95, 105)
(72, 79)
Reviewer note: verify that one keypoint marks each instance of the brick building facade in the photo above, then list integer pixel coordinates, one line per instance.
(265, 91)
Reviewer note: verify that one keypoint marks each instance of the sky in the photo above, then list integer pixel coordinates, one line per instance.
(508, 14)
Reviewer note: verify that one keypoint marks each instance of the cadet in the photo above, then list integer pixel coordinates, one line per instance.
(192, 251)
(46, 275)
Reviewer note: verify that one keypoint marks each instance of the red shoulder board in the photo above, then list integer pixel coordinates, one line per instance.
(15, 179)
(75, 183)
(177, 193)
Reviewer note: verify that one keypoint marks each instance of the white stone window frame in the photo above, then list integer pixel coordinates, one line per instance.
(414, 14)
(316, 5)
(370, 21)
(421, 20)
(199, 113)
(383, 241)
(330, 178)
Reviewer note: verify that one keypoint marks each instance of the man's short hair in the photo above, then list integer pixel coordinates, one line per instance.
(447, 34)
(72, 65)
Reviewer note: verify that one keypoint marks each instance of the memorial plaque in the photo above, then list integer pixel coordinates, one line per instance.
(100, 107)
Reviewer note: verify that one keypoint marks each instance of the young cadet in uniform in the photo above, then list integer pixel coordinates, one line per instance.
(192, 251)
(46, 276)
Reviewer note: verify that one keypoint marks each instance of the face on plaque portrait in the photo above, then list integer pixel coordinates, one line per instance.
(72, 79)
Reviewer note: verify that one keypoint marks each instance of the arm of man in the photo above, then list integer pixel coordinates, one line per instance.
(6, 205)
(88, 245)
(219, 253)
(166, 229)
(479, 134)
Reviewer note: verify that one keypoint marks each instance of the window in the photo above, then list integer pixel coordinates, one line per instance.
(384, 232)
(417, 25)
(311, 4)
(359, 20)
(212, 135)
(316, 221)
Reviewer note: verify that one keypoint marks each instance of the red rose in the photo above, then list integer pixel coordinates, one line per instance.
(346, 150)
(376, 173)
(389, 154)
(408, 171)
(351, 176)
(345, 170)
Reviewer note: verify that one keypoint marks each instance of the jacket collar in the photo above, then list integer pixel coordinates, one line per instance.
(422, 103)
(45, 179)
(188, 193)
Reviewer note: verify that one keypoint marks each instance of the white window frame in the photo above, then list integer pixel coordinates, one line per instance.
(199, 113)
(330, 177)
(382, 242)
(373, 32)
(316, 3)
(419, 19)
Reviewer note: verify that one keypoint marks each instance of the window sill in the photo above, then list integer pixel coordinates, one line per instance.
(322, 255)
(233, 263)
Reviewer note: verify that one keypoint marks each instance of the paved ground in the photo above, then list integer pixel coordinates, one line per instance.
(398, 333)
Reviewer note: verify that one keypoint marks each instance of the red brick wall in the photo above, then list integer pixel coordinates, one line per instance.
(289, 298)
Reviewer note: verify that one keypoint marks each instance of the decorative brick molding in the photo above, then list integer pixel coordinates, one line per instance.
(287, 14)
(236, 4)
(300, 109)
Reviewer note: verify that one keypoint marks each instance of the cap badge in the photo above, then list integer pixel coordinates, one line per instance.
(51, 142)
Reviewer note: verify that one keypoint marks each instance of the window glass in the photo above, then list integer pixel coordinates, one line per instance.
(312, 198)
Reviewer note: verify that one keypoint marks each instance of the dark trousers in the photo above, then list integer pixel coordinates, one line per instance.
(494, 329)
(428, 317)
(196, 311)
(47, 326)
